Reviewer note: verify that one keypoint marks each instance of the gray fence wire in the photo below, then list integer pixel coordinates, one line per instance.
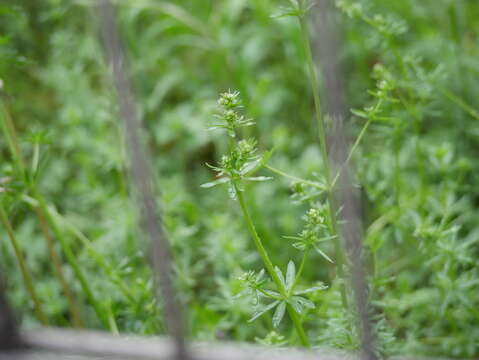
(327, 41)
(143, 188)
(140, 174)
(8, 328)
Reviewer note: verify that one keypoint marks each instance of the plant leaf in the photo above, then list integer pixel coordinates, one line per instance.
(260, 275)
(253, 166)
(292, 237)
(286, 11)
(214, 183)
(279, 314)
(323, 254)
(304, 302)
(295, 304)
(290, 274)
(259, 178)
(299, 303)
(265, 309)
(327, 238)
(360, 113)
(280, 275)
(271, 293)
(299, 246)
(311, 289)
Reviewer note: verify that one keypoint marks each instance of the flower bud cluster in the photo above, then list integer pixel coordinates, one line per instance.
(230, 100)
(229, 116)
(243, 159)
(315, 231)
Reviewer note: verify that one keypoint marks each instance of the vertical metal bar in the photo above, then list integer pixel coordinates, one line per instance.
(9, 338)
(351, 227)
(140, 175)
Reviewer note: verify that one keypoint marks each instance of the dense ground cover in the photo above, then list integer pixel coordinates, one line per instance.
(411, 76)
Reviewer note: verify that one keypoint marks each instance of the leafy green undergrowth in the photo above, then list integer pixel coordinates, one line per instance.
(411, 70)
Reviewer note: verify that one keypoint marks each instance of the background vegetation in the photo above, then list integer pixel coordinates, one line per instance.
(416, 165)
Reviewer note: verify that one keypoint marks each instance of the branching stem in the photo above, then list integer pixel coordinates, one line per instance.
(300, 271)
(269, 265)
(357, 142)
(295, 178)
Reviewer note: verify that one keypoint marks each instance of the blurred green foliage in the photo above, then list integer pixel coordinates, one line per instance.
(417, 163)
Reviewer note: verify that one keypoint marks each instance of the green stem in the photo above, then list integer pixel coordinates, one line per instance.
(300, 272)
(295, 178)
(72, 260)
(324, 154)
(269, 266)
(11, 135)
(87, 243)
(115, 278)
(458, 101)
(397, 138)
(57, 265)
(111, 320)
(19, 165)
(279, 298)
(232, 144)
(357, 142)
(411, 107)
(418, 119)
(27, 277)
(353, 149)
(315, 89)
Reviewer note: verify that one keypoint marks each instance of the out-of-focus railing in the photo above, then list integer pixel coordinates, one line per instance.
(347, 197)
(141, 176)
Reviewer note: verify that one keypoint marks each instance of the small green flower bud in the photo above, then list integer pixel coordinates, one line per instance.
(230, 100)
(298, 188)
(314, 217)
(230, 117)
(247, 147)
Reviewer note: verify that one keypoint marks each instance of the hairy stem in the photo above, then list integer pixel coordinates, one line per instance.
(300, 272)
(11, 136)
(357, 142)
(269, 266)
(295, 178)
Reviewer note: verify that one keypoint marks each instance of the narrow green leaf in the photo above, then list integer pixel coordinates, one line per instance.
(272, 293)
(283, 12)
(263, 310)
(290, 274)
(323, 254)
(304, 302)
(279, 314)
(260, 275)
(301, 246)
(295, 304)
(280, 275)
(259, 178)
(310, 290)
(292, 237)
(252, 167)
(360, 113)
(214, 183)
